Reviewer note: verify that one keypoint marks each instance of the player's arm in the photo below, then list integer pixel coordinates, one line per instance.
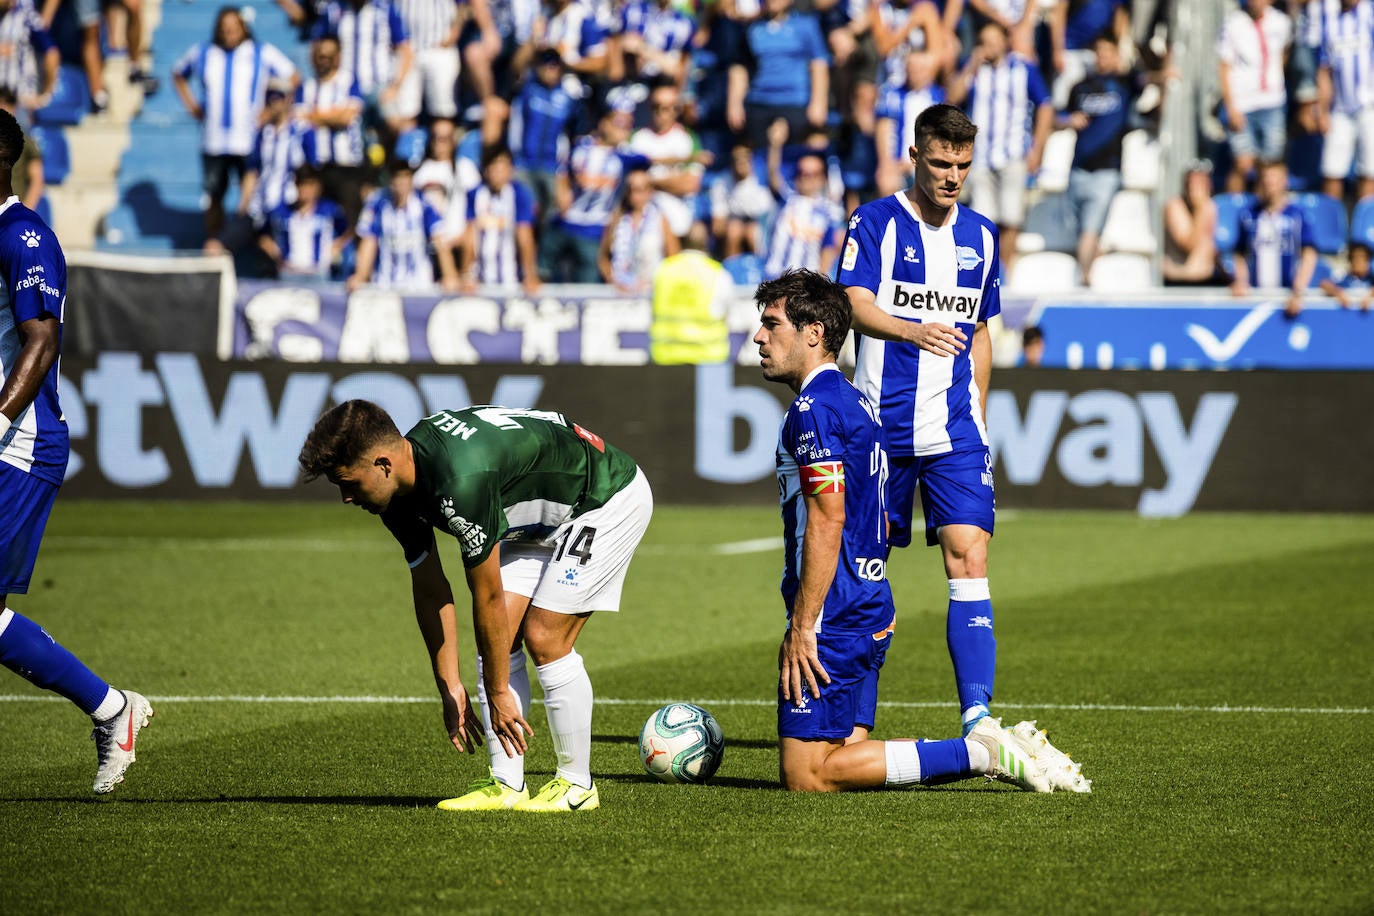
(434, 612)
(491, 629)
(365, 260)
(940, 339)
(981, 354)
(799, 658)
(41, 341)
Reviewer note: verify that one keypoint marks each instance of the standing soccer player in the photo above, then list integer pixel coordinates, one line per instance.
(832, 473)
(922, 275)
(33, 459)
(547, 516)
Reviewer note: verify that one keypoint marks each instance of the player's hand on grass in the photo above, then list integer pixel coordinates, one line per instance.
(464, 728)
(507, 722)
(800, 664)
(940, 339)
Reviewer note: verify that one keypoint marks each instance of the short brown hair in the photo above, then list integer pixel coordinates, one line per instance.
(342, 436)
(944, 122)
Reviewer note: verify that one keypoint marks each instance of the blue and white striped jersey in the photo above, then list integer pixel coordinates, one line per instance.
(665, 28)
(575, 32)
(596, 172)
(306, 237)
(804, 227)
(929, 404)
(33, 284)
(495, 215)
(1347, 49)
(276, 156)
(428, 22)
(233, 91)
(368, 37)
(403, 234)
(901, 105)
(1272, 243)
(515, 19)
(23, 42)
(637, 247)
(327, 145)
(831, 442)
(1002, 102)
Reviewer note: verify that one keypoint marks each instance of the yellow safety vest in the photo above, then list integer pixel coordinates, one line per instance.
(685, 330)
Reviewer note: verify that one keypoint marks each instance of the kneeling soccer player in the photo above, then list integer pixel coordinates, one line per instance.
(547, 516)
(832, 469)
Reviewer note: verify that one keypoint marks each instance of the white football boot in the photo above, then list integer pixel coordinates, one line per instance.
(1013, 757)
(114, 741)
(1065, 775)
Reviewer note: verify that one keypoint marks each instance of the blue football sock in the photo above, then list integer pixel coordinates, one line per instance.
(943, 761)
(972, 646)
(28, 651)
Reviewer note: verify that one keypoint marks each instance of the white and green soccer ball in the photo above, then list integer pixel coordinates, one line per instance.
(681, 743)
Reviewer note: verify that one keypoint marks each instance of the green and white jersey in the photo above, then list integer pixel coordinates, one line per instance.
(487, 474)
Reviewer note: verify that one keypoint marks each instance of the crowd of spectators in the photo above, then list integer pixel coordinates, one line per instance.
(1296, 110)
(513, 142)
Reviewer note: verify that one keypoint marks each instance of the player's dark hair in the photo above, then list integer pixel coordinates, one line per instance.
(808, 298)
(1031, 334)
(944, 122)
(342, 435)
(493, 151)
(11, 140)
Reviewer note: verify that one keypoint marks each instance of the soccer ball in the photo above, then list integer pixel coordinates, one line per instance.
(681, 743)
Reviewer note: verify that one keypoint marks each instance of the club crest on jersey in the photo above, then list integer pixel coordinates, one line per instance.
(470, 537)
(967, 258)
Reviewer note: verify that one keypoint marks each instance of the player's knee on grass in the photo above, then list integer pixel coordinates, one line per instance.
(802, 765)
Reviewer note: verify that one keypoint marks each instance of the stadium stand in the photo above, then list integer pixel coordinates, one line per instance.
(1327, 214)
(158, 197)
(1229, 208)
(1362, 223)
(1122, 272)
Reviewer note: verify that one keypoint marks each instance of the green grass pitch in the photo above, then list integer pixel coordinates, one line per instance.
(1212, 673)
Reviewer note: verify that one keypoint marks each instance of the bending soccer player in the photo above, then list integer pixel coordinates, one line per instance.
(832, 470)
(33, 461)
(547, 516)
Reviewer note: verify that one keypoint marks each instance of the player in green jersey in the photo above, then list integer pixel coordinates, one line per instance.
(547, 516)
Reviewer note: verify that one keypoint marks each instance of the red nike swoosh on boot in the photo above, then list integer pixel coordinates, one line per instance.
(128, 743)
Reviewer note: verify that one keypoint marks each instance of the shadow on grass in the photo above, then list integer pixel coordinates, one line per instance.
(757, 743)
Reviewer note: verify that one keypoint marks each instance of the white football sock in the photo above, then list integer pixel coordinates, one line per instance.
(568, 703)
(111, 706)
(979, 757)
(903, 763)
(509, 770)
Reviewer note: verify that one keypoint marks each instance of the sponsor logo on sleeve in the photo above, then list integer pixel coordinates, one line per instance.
(471, 538)
(851, 253)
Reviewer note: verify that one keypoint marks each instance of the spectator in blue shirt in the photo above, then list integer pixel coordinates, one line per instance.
(1099, 109)
(540, 121)
(1274, 244)
(1355, 284)
(785, 74)
(304, 239)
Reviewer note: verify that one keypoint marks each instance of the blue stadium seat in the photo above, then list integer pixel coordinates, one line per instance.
(57, 158)
(71, 98)
(1362, 223)
(745, 269)
(1327, 215)
(1229, 207)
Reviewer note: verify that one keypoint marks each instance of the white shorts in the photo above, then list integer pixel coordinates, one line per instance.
(1348, 134)
(435, 77)
(1000, 194)
(582, 567)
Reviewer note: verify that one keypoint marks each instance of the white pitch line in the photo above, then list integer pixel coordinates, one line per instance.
(660, 701)
(756, 545)
(326, 545)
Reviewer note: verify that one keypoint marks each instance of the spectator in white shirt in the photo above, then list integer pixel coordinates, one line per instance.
(1251, 52)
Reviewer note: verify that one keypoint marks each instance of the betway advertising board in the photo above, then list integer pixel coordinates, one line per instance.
(182, 426)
